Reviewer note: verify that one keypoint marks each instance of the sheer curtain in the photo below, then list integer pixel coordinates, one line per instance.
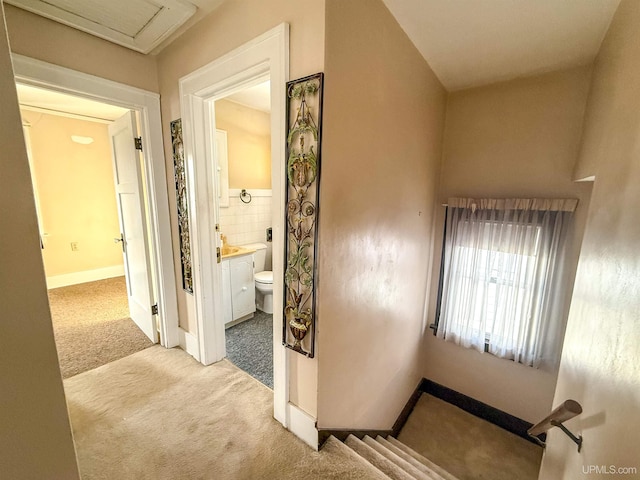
(502, 289)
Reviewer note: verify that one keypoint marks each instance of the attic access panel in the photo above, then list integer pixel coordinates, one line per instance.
(136, 24)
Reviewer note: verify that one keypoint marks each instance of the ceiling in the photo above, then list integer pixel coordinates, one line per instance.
(467, 43)
(477, 42)
(203, 8)
(55, 103)
(140, 25)
(257, 97)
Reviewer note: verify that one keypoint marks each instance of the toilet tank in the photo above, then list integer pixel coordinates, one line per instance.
(259, 257)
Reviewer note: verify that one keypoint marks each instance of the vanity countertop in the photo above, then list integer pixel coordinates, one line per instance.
(229, 251)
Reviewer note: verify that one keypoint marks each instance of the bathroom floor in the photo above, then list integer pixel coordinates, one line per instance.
(250, 347)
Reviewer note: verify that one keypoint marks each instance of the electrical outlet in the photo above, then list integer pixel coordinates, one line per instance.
(74, 246)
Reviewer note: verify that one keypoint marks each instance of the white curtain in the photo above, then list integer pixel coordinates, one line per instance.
(502, 278)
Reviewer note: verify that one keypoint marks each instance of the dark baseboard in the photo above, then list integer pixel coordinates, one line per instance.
(512, 424)
(486, 412)
(406, 411)
(342, 434)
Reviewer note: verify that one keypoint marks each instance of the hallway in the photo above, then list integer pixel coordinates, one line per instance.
(158, 414)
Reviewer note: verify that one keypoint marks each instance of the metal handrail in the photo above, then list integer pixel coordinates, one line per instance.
(566, 411)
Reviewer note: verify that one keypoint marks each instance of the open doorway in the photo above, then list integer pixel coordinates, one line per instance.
(243, 147)
(264, 57)
(80, 212)
(146, 105)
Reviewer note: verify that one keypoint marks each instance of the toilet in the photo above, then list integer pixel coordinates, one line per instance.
(263, 278)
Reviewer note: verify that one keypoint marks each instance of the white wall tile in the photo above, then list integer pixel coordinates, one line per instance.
(246, 222)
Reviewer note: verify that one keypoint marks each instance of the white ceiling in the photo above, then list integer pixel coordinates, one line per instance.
(257, 97)
(466, 42)
(476, 42)
(55, 103)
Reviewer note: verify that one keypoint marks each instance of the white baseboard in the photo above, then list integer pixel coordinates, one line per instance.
(85, 276)
(302, 425)
(189, 343)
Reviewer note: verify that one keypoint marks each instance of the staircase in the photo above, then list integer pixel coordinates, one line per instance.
(387, 458)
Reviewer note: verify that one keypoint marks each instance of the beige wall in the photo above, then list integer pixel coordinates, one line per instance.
(43, 39)
(601, 357)
(248, 144)
(383, 122)
(230, 26)
(513, 139)
(76, 193)
(35, 435)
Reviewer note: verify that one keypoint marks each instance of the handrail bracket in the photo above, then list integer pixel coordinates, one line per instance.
(577, 440)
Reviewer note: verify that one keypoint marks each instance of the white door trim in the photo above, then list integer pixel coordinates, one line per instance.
(266, 55)
(37, 73)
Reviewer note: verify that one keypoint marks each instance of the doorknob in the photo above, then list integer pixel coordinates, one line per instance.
(121, 239)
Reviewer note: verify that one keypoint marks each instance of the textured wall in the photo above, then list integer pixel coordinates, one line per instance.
(248, 144)
(35, 434)
(383, 123)
(600, 365)
(513, 139)
(76, 192)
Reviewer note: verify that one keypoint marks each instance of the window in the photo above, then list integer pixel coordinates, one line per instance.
(501, 277)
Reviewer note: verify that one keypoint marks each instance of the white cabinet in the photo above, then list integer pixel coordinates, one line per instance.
(226, 293)
(238, 287)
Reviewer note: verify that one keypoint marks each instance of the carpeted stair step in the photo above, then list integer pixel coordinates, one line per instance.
(434, 471)
(392, 470)
(400, 462)
(425, 461)
(341, 455)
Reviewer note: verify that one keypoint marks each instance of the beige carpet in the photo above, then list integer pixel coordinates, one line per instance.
(158, 414)
(467, 446)
(92, 325)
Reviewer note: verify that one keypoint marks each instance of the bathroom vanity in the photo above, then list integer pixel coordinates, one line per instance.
(238, 286)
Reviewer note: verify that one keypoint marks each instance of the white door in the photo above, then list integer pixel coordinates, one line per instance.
(131, 210)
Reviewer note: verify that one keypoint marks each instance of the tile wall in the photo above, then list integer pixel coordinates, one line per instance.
(244, 223)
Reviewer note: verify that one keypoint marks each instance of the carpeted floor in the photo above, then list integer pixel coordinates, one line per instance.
(92, 325)
(250, 347)
(158, 414)
(467, 446)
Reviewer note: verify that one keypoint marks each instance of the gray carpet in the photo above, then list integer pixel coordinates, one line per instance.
(92, 326)
(250, 347)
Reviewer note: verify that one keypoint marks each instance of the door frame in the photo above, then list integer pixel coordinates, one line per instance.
(266, 55)
(41, 74)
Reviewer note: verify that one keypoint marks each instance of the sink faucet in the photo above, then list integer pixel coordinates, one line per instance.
(223, 240)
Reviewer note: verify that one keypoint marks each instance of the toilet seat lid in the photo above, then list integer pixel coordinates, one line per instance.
(264, 277)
